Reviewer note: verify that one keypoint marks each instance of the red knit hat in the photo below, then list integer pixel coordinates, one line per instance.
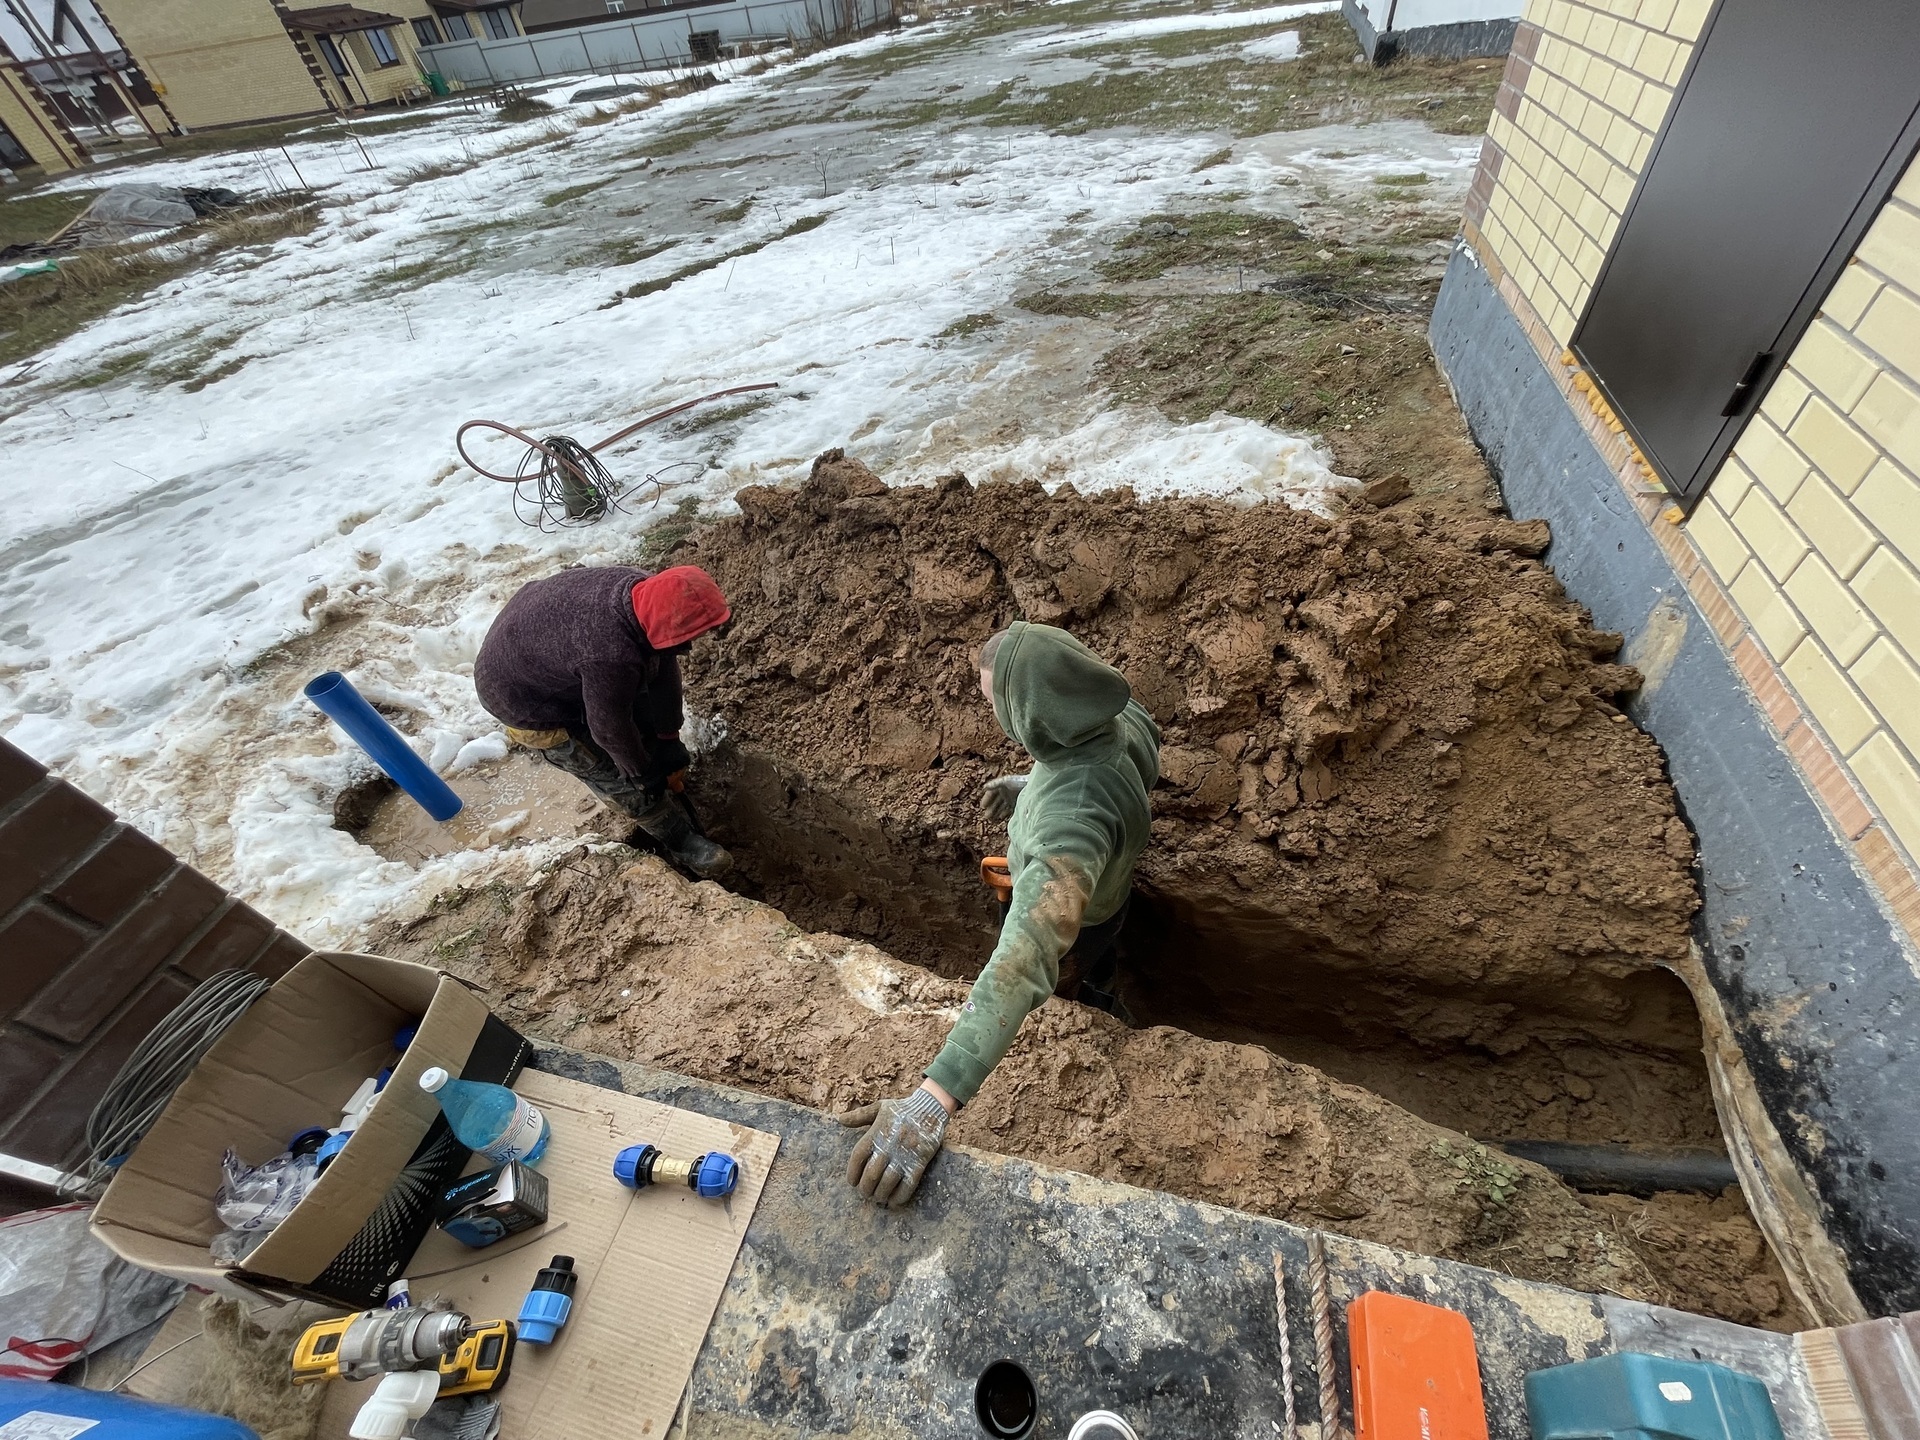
(678, 604)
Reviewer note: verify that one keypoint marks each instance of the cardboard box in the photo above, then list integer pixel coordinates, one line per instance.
(292, 1061)
(652, 1264)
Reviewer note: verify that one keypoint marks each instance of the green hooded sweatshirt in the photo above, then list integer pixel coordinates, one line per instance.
(1079, 826)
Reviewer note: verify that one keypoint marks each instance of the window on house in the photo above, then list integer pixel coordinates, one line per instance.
(381, 43)
(616, 7)
(425, 32)
(457, 27)
(336, 62)
(12, 153)
(498, 25)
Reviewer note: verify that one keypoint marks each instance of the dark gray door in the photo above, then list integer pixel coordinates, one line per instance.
(1794, 122)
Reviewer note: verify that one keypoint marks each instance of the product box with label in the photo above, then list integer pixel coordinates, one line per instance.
(493, 1204)
(290, 1062)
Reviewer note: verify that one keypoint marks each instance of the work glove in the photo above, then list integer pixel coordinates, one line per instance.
(891, 1157)
(665, 757)
(999, 795)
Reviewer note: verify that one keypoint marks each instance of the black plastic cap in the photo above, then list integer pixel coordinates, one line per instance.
(558, 1276)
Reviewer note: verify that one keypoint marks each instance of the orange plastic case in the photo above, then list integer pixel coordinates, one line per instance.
(1416, 1375)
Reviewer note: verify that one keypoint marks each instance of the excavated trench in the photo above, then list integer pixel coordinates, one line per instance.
(1403, 836)
(1621, 1064)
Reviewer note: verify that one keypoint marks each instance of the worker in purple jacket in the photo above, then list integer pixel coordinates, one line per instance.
(583, 666)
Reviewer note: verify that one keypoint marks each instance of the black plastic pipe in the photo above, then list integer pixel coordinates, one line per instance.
(1633, 1169)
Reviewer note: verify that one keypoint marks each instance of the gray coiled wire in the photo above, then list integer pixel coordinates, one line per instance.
(158, 1065)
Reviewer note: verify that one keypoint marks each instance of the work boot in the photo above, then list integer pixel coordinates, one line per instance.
(666, 823)
(1107, 1001)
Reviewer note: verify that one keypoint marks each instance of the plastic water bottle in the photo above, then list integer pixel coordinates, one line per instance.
(489, 1118)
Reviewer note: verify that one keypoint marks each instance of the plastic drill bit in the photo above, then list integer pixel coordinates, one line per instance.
(1330, 1426)
(1292, 1430)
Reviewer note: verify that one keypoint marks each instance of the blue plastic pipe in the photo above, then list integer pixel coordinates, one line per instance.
(368, 729)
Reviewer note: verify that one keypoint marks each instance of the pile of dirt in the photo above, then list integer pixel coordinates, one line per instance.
(614, 953)
(1403, 832)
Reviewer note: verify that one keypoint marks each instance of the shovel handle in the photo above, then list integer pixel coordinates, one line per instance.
(995, 875)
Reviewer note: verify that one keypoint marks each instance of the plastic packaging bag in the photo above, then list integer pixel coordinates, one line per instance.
(63, 1294)
(253, 1200)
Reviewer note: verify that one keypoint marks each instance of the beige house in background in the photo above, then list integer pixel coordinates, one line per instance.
(215, 63)
(239, 62)
(32, 132)
(70, 91)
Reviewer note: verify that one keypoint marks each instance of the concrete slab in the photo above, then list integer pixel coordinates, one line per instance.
(843, 1319)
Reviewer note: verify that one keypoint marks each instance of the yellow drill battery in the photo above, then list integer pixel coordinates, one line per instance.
(482, 1362)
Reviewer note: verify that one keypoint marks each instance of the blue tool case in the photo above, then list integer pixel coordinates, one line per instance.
(1648, 1397)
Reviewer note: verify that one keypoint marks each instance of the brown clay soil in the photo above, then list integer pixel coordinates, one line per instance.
(613, 952)
(1403, 833)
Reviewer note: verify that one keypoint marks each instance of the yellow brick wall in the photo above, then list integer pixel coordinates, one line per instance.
(409, 11)
(1814, 523)
(31, 122)
(1574, 133)
(1805, 555)
(372, 83)
(223, 62)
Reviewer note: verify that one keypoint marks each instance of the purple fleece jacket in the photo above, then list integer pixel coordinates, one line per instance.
(567, 652)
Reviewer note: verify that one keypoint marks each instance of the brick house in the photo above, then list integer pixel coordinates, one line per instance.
(238, 62)
(69, 89)
(1684, 324)
(32, 130)
(438, 20)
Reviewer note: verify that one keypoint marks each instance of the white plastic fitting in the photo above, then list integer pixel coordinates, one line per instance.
(1101, 1422)
(354, 1115)
(398, 1400)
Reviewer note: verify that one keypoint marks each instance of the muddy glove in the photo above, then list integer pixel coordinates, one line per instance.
(999, 795)
(665, 757)
(892, 1156)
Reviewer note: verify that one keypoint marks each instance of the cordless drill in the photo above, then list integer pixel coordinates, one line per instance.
(472, 1359)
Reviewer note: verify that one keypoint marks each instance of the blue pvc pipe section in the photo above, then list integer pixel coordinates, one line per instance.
(368, 729)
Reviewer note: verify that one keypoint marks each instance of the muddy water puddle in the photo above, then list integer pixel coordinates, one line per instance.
(518, 798)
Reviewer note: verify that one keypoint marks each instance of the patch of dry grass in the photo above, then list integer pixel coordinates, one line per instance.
(42, 309)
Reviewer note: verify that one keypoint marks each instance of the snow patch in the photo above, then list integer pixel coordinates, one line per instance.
(1124, 30)
(1284, 46)
(474, 752)
(871, 982)
(1225, 456)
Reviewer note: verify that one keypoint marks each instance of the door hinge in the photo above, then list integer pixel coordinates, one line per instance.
(1743, 392)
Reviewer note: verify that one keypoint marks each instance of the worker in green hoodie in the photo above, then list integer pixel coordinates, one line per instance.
(1077, 823)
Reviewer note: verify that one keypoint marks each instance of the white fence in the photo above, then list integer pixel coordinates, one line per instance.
(649, 40)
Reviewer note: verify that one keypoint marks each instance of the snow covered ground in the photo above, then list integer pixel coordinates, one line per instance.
(1081, 37)
(178, 563)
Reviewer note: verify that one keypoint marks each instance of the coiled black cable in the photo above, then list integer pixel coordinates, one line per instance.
(561, 483)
